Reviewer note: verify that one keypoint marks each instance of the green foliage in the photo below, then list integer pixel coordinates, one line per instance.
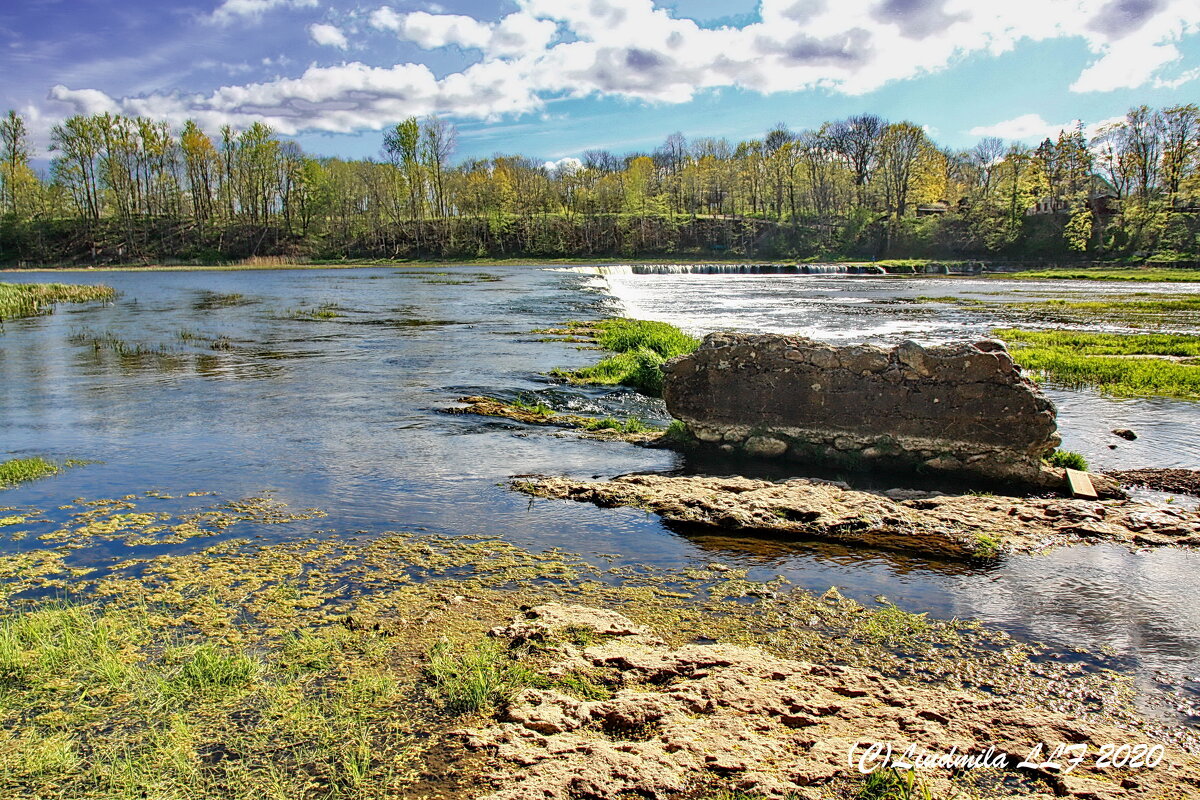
(214, 671)
(894, 784)
(34, 299)
(891, 624)
(640, 349)
(1112, 363)
(533, 406)
(1105, 344)
(19, 470)
(1106, 274)
(631, 425)
(476, 677)
(1067, 459)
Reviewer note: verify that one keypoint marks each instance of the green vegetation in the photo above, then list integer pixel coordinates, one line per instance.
(987, 546)
(1067, 459)
(325, 311)
(891, 624)
(1142, 308)
(894, 784)
(1148, 274)
(34, 299)
(912, 199)
(473, 678)
(533, 406)
(20, 470)
(242, 668)
(631, 425)
(640, 349)
(1119, 364)
(1104, 344)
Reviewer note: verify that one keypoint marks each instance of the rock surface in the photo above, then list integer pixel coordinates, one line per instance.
(1183, 481)
(958, 408)
(946, 526)
(683, 721)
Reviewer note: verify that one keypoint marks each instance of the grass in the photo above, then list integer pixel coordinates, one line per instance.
(474, 678)
(631, 425)
(639, 349)
(20, 470)
(534, 406)
(893, 784)
(1106, 274)
(1067, 460)
(34, 299)
(1127, 365)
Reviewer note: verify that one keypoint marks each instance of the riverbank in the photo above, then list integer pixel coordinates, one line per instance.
(343, 667)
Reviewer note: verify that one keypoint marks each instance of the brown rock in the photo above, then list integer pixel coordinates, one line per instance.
(956, 408)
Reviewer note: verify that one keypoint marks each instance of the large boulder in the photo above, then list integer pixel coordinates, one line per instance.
(962, 408)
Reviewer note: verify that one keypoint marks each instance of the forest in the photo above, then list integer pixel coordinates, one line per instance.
(123, 190)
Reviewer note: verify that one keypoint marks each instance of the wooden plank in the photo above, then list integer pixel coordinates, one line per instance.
(1081, 485)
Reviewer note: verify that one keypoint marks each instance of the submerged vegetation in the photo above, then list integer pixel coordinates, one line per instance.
(640, 347)
(1120, 364)
(33, 299)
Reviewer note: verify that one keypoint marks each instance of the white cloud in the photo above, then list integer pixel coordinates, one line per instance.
(633, 49)
(1033, 129)
(233, 10)
(564, 165)
(328, 35)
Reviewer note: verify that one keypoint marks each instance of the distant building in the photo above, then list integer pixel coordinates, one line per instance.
(933, 209)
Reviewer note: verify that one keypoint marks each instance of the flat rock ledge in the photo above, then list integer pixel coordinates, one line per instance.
(945, 526)
(962, 409)
(683, 721)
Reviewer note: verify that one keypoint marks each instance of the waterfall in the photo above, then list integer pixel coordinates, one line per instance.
(730, 269)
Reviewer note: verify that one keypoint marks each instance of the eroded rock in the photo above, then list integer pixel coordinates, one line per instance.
(946, 526)
(958, 408)
(705, 715)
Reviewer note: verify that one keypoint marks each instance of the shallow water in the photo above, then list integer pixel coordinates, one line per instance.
(342, 414)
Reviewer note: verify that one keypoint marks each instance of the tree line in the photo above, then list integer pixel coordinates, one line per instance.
(128, 189)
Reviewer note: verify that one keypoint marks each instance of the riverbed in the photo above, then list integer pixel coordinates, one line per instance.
(323, 388)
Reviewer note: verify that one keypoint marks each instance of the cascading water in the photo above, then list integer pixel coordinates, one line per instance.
(730, 269)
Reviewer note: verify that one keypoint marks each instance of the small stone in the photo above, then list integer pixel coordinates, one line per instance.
(1125, 434)
(764, 447)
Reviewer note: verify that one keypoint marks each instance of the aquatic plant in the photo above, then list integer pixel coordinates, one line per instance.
(533, 406)
(34, 299)
(1156, 275)
(20, 470)
(1119, 364)
(631, 425)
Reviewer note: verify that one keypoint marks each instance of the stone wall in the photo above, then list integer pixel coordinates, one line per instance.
(960, 408)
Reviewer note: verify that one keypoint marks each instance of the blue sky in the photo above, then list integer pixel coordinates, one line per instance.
(552, 78)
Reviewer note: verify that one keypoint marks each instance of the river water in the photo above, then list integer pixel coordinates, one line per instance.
(342, 414)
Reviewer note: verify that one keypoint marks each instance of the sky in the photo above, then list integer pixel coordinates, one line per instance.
(553, 78)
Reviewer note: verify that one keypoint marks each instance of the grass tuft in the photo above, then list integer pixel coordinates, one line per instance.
(1067, 460)
(475, 678)
(34, 299)
(640, 347)
(20, 470)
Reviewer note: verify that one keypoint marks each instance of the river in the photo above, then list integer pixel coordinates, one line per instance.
(342, 413)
